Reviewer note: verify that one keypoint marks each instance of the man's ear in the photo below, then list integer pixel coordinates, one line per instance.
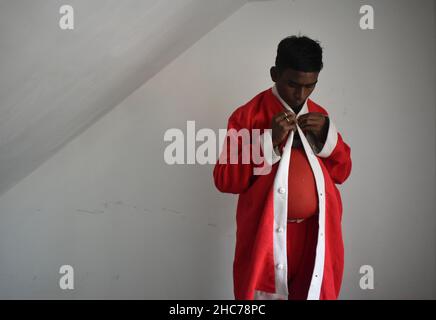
(274, 74)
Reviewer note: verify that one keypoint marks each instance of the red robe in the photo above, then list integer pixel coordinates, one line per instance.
(260, 262)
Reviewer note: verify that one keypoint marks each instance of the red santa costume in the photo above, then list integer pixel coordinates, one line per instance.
(265, 238)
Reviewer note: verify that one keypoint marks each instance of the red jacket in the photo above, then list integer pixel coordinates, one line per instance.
(260, 262)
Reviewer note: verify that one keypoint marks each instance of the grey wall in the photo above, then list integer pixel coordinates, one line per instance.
(135, 227)
(54, 83)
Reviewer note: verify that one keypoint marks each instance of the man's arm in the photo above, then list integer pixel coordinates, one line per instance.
(237, 176)
(319, 142)
(327, 144)
(334, 152)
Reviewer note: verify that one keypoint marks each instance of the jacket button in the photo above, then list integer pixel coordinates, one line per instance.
(281, 190)
(280, 229)
(279, 266)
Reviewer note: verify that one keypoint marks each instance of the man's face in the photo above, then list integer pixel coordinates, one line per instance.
(294, 86)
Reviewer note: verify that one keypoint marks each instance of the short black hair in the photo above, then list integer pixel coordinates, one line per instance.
(299, 53)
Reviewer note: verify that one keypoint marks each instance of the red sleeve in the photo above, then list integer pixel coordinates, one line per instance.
(335, 153)
(338, 163)
(237, 176)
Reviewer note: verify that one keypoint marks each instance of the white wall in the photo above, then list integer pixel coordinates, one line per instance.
(134, 227)
(54, 83)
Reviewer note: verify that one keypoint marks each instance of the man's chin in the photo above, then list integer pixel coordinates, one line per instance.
(297, 104)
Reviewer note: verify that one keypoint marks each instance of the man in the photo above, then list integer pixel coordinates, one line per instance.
(289, 238)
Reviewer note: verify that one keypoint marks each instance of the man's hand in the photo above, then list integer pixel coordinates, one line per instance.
(281, 124)
(316, 124)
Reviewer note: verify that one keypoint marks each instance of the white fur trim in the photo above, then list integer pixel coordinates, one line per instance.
(262, 295)
(269, 154)
(318, 270)
(331, 141)
(280, 194)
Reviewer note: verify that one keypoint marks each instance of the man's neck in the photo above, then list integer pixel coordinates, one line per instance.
(297, 109)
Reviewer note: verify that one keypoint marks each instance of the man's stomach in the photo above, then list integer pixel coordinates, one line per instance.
(302, 195)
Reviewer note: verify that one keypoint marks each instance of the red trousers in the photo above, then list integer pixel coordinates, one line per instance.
(301, 246)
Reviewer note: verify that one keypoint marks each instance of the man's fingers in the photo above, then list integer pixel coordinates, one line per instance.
(308, 121)
(285, 114)
(311, 116)
(310, 128)
(305, 123)
(288, 124)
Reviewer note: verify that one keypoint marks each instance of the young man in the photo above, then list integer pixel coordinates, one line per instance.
(289, 238)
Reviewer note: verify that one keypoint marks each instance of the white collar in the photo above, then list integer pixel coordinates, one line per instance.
(303, 110)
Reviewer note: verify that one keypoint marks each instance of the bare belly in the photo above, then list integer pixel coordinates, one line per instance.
(302, 195)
